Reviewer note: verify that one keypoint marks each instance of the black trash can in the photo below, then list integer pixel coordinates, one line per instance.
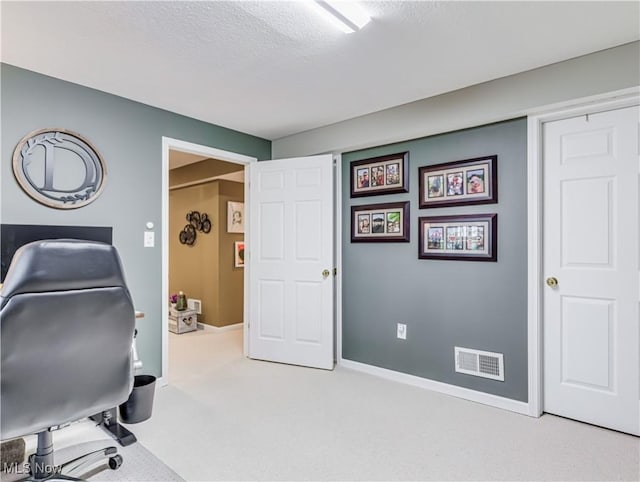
(139, 405)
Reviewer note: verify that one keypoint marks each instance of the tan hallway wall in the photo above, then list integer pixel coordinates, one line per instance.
(206, 270)
(193, 269)
(231, 281)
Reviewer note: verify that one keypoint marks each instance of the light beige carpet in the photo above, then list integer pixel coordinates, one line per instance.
(227, 418)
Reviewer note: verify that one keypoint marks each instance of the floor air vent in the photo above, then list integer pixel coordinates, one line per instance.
(480, 363)
(195, 305)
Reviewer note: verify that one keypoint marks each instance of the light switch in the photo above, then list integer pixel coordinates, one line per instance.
(149, 239)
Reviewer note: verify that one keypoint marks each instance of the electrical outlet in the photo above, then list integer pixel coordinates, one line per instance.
(402, 331)
(149, 239)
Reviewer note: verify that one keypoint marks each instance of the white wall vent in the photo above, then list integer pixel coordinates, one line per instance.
(480, 363)
(195, 305)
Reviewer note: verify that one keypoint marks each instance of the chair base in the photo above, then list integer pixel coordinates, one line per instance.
(42, 467)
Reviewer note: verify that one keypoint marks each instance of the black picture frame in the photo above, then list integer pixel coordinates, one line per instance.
(459, 183)
(380, 175)
(384, 222)
(466, 237)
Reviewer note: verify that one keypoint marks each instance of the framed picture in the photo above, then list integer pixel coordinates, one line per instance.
(380, 175)
(238, 254)
(235, 217)
(469, 237)
(380, 222)
(471, 181)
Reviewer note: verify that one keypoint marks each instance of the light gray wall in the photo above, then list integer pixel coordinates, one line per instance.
(481, 305)
(129, 137)
(497, 100)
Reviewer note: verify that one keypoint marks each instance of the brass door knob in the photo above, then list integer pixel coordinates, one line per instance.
(552, 282)
(326, 273)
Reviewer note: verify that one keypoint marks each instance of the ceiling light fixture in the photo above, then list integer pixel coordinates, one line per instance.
(347, 16)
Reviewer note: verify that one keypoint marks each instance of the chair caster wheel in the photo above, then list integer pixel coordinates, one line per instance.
(115, 462)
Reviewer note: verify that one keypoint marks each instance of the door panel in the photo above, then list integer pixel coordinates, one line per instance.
(271, 239)
(590, 244)
(272, 300)
(308, 324)
(587, 329)
(585, 242)
(290, 300)
(308, 231)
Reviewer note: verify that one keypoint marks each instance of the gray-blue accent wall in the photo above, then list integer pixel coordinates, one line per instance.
(129, 137)
(478, 305)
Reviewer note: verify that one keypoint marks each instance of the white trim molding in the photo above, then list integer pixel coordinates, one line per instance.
(444, 388)
(220, 329)
(535, 121)
(210, 152)
(337, 162)
(534, 266)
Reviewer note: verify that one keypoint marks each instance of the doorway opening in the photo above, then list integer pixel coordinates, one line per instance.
(203, 259)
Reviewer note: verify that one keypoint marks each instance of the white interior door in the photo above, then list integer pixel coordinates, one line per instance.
(291, 261)
(591, 335)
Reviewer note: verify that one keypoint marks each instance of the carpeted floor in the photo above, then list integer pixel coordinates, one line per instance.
(226, 418)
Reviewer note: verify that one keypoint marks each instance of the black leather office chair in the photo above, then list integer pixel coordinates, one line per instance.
(67, 323)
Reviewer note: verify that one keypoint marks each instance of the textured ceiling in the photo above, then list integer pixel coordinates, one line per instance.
(273, 69)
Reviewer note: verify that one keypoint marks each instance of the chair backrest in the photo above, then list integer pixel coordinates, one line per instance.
(67, 323)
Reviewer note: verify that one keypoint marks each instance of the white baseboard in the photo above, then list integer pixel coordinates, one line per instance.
(218, 329)
(445, 388)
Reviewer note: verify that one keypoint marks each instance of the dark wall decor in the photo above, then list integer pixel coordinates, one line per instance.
(197, 221)
(380, 175)
(470, 237)
(187, 235)
(380, 222)
(470, 181)
(201, 222)
(59, 168)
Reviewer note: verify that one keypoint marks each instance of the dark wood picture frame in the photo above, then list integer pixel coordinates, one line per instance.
(380, 175)
(459, 183)
(384, 222)
(467, 237)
